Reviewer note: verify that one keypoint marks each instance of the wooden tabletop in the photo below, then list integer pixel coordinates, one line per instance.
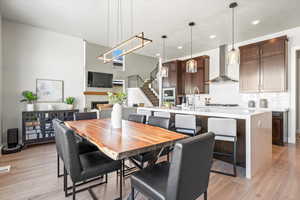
(132, 139)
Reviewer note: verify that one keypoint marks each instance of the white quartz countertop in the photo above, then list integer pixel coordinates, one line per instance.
(237, 113)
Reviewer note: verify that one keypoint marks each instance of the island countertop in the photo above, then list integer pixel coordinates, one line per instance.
(237, 113)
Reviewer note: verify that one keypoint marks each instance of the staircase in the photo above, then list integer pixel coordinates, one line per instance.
(149, 87)
(149, 93)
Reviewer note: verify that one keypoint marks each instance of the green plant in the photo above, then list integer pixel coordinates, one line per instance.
(29, 97)
(119, 97)
(70, 100)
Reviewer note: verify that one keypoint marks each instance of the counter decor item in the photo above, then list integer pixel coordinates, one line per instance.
(70, 102)
(251, 104)
(117, 100)
(168, 104)
(263, 103)
(30, 98)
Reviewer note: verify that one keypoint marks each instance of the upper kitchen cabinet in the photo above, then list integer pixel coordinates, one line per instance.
(263, 66)
(249, 68)
(174, 79)
(199, 80)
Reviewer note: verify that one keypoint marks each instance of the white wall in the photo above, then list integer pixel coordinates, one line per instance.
(30, 53)
(298, 91)
(136, 96)
(134, 64)
(0, 80)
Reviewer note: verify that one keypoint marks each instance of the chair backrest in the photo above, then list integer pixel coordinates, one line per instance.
(144, 112)
(162, 114)
(70, 152)
(161, 122)
(190, 167)
(85, 115)
(56, 123)
(185, 121)
(222, 126)
(137, 118)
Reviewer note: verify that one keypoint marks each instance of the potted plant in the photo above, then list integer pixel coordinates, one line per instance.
(70, 102)
(30, 98)
(117, 99)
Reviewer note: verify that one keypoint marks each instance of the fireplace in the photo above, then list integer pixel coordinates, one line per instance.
(95, 103)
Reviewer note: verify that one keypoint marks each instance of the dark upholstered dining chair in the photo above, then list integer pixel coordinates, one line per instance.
(137, 118)
(84, 146)
(142, 158)
(185, 178)
(82, 167)
(85, 115)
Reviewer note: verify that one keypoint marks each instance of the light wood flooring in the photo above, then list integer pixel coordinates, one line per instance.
(33, 176)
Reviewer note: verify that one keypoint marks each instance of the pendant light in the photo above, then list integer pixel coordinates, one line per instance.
(191, 64)
(164, 70)
(233, 57)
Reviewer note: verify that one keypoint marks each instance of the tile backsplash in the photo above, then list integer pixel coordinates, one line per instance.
(228, 93)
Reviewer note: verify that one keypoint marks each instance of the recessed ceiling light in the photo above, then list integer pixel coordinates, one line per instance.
(179, 47)
(212, 36)
(158, 54)
(255, 22)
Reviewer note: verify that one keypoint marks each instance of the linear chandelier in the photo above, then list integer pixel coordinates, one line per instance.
(142, 42)
(125, 47)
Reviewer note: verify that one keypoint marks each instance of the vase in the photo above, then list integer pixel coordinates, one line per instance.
(116, 116)
(30, 107)
(70, 106)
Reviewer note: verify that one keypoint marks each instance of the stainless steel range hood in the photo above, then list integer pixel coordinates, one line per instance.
(223, 77)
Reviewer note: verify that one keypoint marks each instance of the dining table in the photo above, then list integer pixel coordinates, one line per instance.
(123, 143)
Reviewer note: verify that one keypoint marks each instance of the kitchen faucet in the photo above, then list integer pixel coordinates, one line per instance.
(194, 96)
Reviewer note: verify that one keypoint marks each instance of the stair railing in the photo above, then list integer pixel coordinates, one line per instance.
(154, 84)
(135, 81)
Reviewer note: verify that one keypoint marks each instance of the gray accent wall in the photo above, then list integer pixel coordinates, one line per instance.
(134, 64)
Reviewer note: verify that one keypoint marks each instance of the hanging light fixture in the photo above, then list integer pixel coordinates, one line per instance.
(233, 57)
(164, 70)
(191, 64)
(130, 45)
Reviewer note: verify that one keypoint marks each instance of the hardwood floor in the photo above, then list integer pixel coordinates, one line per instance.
(33, 176)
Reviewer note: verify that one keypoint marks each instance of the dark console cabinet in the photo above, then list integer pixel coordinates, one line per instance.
(37, 125)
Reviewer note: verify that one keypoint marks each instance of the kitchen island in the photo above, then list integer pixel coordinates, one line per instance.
(257, 140)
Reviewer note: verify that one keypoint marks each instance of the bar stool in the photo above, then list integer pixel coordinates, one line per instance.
(147, 113)
(186, 124)
(225, 130)
(162, 114)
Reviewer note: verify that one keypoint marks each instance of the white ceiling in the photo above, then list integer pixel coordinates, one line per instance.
(88, 19)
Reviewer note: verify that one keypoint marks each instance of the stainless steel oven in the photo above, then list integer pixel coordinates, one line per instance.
(169, 95)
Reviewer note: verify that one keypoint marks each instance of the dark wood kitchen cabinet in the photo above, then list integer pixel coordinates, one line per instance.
(174, 79)
(277, 128)
(263, 66)
(199, 79)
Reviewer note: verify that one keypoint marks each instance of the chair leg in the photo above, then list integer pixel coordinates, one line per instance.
(205, 195)
(132, 193)
(121, 181)
(234, 158)
(65, 182)
(58, 166)
(74, 191)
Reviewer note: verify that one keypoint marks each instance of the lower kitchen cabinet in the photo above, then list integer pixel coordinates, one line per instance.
(278, 128)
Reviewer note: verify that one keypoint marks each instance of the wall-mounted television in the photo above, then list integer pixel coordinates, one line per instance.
(100, 80)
